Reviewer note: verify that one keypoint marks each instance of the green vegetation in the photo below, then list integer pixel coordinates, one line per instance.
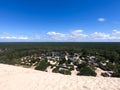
(42, 66)
(87, 71)
(104, 74)
(66, 72)
(107, 56)
(56, 70)
(62, 71)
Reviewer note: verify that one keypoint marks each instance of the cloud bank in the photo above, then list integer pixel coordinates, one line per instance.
(79, 35)
(13, 38)
(72, 36)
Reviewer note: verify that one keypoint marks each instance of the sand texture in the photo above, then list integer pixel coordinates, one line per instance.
(18, 78)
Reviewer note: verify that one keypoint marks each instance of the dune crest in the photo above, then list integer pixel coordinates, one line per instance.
(18, 78)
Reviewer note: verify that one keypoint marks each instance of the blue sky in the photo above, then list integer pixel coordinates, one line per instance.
(59, 20)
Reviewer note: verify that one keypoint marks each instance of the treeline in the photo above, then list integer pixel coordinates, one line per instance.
(103, 51)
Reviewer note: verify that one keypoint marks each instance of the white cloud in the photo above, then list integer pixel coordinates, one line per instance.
(57, 36)
(115, 35)
(13, 37)
(76, 32)
(7, 37)
(99, 35)
(116, 32)
(74, 35)
(78, 35)
(101, 19)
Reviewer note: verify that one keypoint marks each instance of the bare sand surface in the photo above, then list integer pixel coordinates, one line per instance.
(18, 78)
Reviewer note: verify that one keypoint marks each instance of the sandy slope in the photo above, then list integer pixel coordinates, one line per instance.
(18, 78)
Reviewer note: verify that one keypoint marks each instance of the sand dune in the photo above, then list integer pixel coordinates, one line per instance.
(18, 78)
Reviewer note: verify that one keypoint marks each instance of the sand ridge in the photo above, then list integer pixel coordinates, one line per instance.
(18, 78)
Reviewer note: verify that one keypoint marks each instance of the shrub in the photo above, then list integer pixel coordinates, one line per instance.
(105, 68)
(104, 74)
(66, 72)
(87, 71)
(62, 61)
(42, 66)
(52, 65)
(110, 66)
(80, 66)
(116, 74)
(56, 70)
(34, 60)
(92, 67)
(70, 67)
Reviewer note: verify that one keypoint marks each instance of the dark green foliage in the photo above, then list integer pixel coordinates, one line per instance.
(69, 61)
(87, 71)
(70, 67)
(116, 74)
(62, 61)
(42, 66)
(80, 66)
(34, 61)
(116, 71)
(52, 65)
(103, 67)
(56, 70)
(85, 52)
(104, 74)
(92, 67)
(64, 71)
(100, 59)
(113, 56)
(110, 66)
